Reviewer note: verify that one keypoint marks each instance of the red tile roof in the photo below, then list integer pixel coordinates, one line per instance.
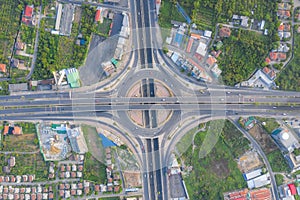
(282, 56)
(273, 55)
(3, 68)
(189, 46)
(17, 130)
(5, 131)
(28, 11)
(97, 15)
(292, 189)
(196, 36)
(211, 60)
(268, 60)
(281, 27)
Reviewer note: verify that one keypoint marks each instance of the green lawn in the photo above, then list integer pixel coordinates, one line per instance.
(94, 170)
(218, 171)
(168, 12)
(279, 179)
(94, 142)
(277, 161)
(27, 127)
(103, 29)
(271, 124)
(289, 78)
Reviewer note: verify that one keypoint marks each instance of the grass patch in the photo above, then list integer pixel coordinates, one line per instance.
(289, 78)
(277, 161)
(186, 141)
(103, 28)
(27, 127)
(110, 198)
(168, 12)
(22, 143)
(94, 142)
(94, 170)
(218, 171)
(271, 124)
(279, 179)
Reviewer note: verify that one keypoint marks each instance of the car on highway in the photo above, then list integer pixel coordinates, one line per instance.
(274, 107)
(284, 114)
(163, 99)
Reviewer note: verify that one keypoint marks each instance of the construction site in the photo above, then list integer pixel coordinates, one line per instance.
(249, 161)
(54, 142)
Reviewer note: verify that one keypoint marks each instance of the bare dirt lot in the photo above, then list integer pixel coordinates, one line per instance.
(263, 138)
(220, 168)
(21, 143)
(249, 161)
(132, 179)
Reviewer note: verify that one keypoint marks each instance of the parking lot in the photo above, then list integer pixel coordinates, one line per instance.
(176, 186)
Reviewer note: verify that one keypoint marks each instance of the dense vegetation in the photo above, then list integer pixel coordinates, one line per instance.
(218, 171)
(277, 161)
(58, 52)
(207, 13)
(9, 25)
(243, 52)
(289, 78)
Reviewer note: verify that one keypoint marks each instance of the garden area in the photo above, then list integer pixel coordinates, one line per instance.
(218, 171)
(289, 78)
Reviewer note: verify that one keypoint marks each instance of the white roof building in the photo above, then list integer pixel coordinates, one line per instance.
(201, 49)
(253, 174)
(259, 181)
(207, 33)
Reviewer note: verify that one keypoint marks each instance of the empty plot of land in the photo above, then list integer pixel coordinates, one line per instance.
(21, 143)
(263, 138)
(249, 161)
(132, 179)
(94, 142)
(176, 186)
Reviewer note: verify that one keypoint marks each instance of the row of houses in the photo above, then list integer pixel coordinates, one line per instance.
(17, 179)
(32, 193)
(245, 194)
(70, 171)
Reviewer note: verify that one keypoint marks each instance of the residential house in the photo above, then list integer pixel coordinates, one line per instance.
(27, 15)
(3, 68)
(210, 61)
(269, 72)
(12, 130)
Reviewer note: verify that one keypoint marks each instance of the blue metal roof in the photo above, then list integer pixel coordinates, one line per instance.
(106, 142)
